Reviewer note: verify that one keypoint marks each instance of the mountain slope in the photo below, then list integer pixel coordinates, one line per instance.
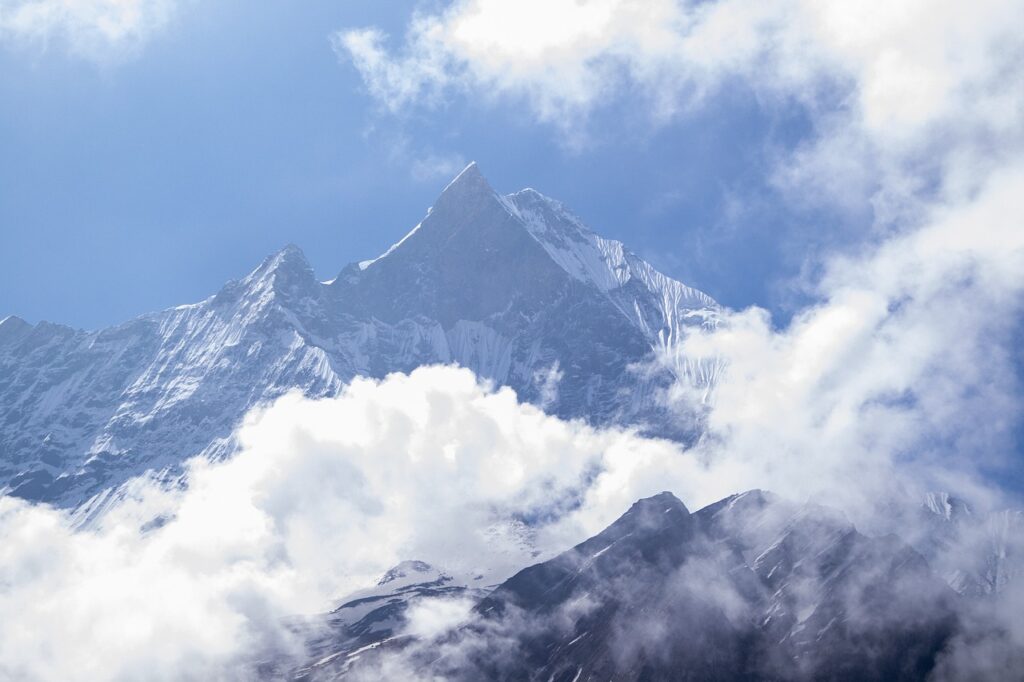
(749, 588)
(513, 287)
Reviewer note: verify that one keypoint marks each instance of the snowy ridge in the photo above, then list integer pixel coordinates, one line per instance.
(607, 265)
(363, 264)
(581, 253)
(514, 288)
(590, 258)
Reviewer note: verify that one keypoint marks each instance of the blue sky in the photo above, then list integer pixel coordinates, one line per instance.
(136, 178)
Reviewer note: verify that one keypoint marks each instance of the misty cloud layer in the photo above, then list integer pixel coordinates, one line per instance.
(322, 498)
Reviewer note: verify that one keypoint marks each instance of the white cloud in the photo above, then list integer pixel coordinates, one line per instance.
(902, 378)
(430, 618)
(890, 87)
(904, 61)
(96, 29)
(321, 499)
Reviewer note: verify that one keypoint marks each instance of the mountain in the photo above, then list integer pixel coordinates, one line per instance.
(514, 287)
(749, 588)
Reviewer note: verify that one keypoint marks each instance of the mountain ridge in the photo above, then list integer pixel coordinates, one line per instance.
(751, 587)
(513, 287)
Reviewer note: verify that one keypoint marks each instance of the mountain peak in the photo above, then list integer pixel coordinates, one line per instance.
(12, 327)
(290, 258)
(649, 515)
(286, 273)
(13, 321)
(404, 570)
(466, 186)
(471, 173)
(662, 503)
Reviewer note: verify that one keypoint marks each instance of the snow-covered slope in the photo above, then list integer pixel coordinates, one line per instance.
(513, 287)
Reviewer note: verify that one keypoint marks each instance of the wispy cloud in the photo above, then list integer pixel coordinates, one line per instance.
(880, 82)
(900, 64)
(95, 29)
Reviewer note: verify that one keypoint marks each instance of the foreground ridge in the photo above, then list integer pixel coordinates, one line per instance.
(752, 587)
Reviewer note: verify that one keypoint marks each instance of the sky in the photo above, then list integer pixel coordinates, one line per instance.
(146, 166)
(847, 177)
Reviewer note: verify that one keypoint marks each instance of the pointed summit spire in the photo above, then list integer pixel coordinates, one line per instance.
(468, 174)
(468, 185)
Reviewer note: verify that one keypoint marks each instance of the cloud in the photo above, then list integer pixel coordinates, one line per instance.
(895, 94)
(899, 63)
(560, 56)
(904, 375)
(95, 29)
(322, 497)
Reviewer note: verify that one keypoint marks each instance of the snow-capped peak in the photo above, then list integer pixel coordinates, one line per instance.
(467, 188)
(12, 322)
(470, 174)
(484, 281)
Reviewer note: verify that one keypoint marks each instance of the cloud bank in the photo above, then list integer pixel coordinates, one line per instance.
(322, 497)
(325, 495)
(897, 64)
(908, 364)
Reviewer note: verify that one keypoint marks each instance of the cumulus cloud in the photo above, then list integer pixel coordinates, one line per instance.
(322, 497)
(907, 362)
(95, 29)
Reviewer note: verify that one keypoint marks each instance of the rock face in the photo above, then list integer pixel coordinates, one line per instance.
(749, 588)
(513, 287)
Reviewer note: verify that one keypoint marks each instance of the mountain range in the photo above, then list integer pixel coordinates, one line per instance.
(514, 287)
